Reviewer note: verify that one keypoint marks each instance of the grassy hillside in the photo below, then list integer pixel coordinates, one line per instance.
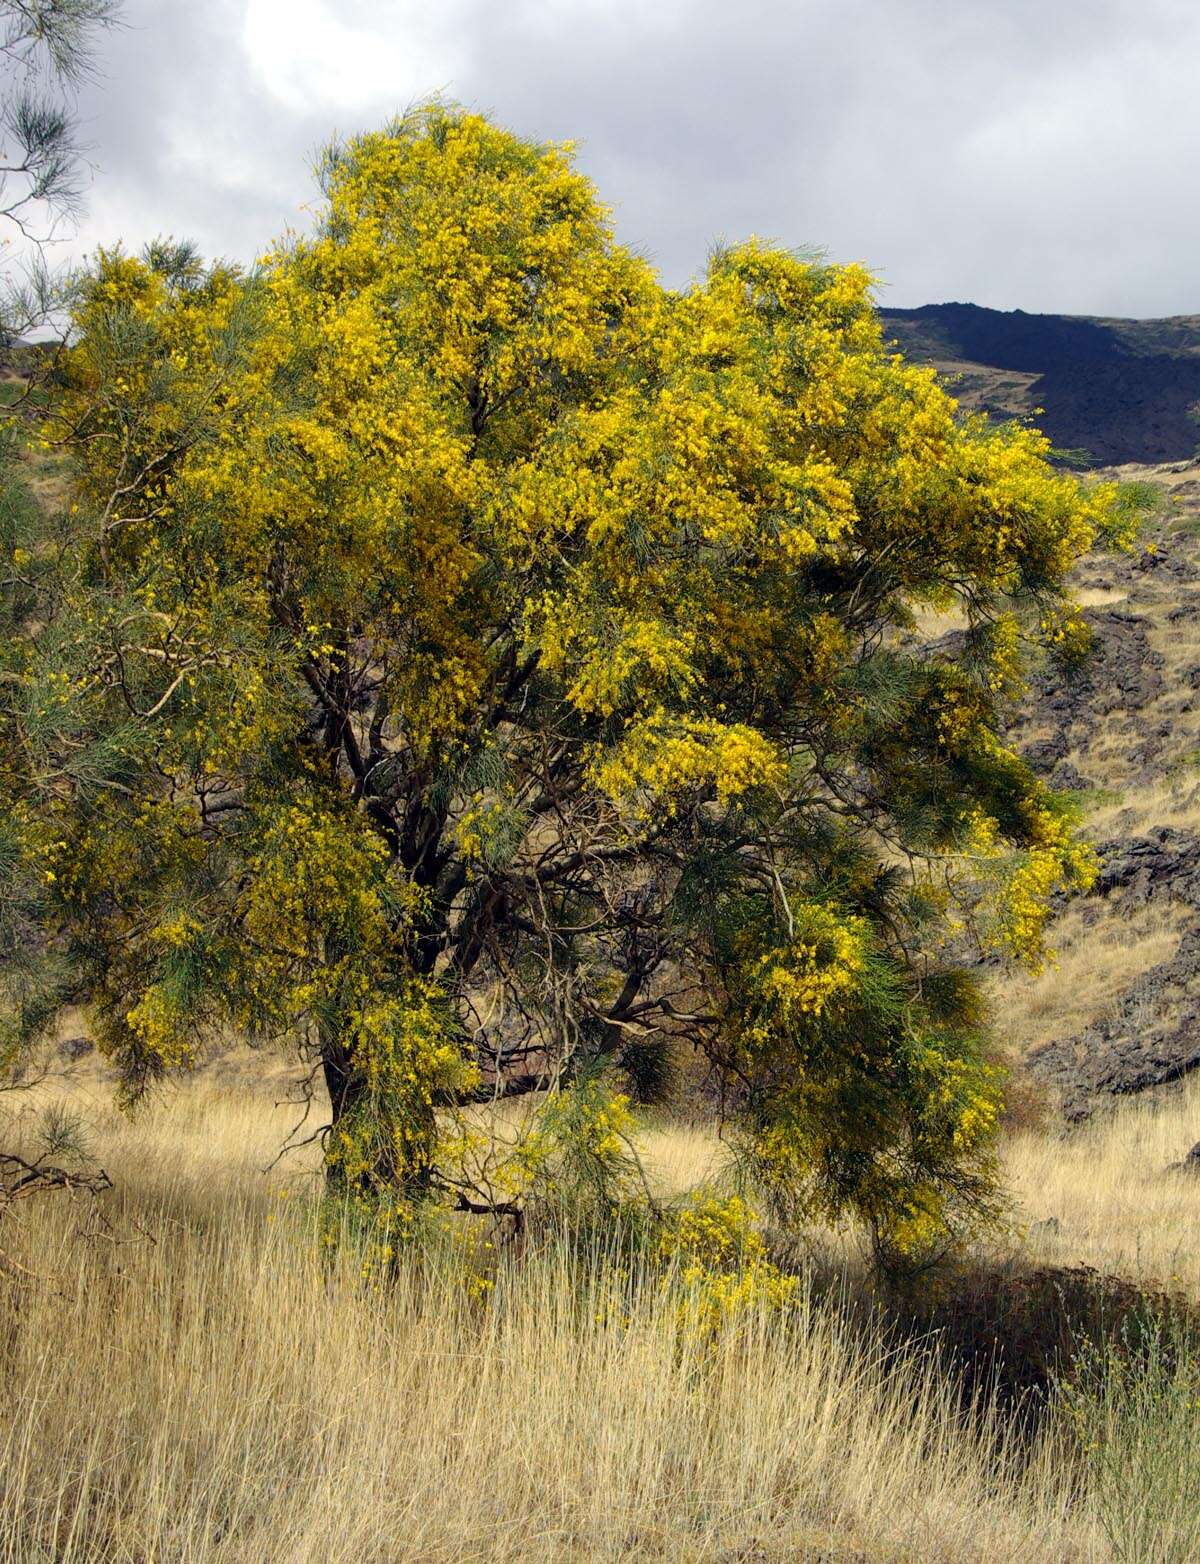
(1120, 1011)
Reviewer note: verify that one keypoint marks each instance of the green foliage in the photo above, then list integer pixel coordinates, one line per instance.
(33, 980)
(485, 667)
(1134, 1406)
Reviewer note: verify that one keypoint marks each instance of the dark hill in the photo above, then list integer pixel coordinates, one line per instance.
(1121, 390)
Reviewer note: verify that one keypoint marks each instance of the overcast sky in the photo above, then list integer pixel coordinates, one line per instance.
(1033, 153)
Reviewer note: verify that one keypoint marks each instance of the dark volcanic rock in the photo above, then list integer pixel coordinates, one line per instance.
(1189, 1164)
(1153, 1035)
(1134, 1049)
(72, 1049)
(1122, 676)
(1123, 390)
(1124, 673)
(1164, 862)
(1044, 755)
(1065, 776)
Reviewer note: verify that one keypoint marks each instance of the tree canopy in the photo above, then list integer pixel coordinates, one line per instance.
(495, 673)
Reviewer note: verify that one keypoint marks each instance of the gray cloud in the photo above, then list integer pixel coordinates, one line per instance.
(1006, 151)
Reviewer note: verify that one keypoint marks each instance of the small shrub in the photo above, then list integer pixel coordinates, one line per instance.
(1135, 1407)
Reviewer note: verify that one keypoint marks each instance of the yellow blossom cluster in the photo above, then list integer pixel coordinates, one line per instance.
(1006, 673)
(1066, 632)
(659, 759)
(1055, 860)
(819, 964)
(719, 1257)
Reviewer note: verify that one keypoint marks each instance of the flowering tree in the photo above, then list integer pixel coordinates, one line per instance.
(46, 51)
(494, 672)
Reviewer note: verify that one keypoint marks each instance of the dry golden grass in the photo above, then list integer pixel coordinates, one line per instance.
(1105, 1196)
(214, 1391)
(207, 1385)
(1099, 597)
(1095, 963)
(932, 623)
(1172, 801)
(678, 1157)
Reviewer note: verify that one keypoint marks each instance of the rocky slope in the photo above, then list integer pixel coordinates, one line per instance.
(1122, 1012)
(1113, 390)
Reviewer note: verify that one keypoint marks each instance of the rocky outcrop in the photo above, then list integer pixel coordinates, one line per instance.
(1124, 673)
(1153, 1034)
(1189, 1164)
(1120, 679)
(1165, 862)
